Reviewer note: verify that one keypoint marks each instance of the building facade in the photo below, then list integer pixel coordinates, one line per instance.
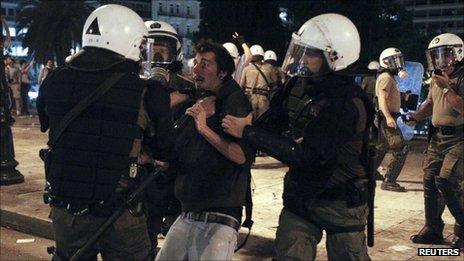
(9, 11)
(141, 7)
(434, 17)
(183, 15)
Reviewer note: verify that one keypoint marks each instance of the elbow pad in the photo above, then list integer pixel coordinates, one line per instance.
(277, 146)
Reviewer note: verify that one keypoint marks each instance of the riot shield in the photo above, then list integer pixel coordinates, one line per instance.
(411, 86)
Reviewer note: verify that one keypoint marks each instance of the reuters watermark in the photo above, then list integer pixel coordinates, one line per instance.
(426, 251)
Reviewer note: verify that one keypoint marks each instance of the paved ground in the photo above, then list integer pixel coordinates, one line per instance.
(19, 246)
(398, 215)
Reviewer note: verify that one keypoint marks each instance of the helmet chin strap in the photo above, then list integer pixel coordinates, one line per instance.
(324, 70)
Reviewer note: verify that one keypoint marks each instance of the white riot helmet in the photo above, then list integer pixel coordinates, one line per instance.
(444, 50)
(232, 49)
(270, 55)
(190, 63)
(167, 45)
(115, 28)
(392, 58)
(374, 66)
(257, 50)
(332, 35)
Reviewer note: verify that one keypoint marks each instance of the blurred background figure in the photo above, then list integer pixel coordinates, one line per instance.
(49, 66)
(240, 61)
(368, 82)
(13, 77)
(25, 85)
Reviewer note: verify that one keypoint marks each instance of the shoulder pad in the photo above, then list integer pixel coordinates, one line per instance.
(283, 92)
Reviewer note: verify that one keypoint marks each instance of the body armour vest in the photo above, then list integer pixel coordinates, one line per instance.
(93, 153)
(307, 101)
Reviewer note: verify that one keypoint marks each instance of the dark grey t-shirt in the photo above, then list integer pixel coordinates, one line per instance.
(205, 178)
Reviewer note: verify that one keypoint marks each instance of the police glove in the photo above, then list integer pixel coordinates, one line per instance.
(240, 39)
(161, 75)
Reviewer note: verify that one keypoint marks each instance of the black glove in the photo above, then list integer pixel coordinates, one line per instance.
(160, 74)
(240, 39)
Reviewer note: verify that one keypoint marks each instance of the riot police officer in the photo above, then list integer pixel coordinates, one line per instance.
(328, 116)
(164, 60)
(443, 166)
(388, 99)
(93, 164)
(258, 79)
(166, 64)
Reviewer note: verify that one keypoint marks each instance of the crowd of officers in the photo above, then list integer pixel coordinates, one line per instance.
(17, 76)
(203, 133)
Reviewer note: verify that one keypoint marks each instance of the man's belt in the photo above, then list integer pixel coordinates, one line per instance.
(72, 208)
(449, 130)
(395, 115)
(333, 194)
(259, 91)
(101, 209)
(209, 217)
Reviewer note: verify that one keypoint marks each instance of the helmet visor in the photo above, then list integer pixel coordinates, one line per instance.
(301, 59)
(394, 62)
(146, 56)
(440, 57)
(164, 51)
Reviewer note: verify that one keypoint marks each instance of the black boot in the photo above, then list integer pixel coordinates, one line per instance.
(378, 176)
(432, 232)
(429, 235)
(458, 240)
(458, 243)
(392, 186)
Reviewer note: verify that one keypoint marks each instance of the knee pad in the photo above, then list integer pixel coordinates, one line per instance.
(405, 149)
(429, 184)
(401, 153)
(444, 186)
(459, 230)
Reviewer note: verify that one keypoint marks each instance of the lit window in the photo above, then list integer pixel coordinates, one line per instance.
(12, 31)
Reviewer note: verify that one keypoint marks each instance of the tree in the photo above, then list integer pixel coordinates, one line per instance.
(53, 27)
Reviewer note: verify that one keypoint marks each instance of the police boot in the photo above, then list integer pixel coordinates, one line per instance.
(429, 235)
(394, 169)
(392, 186)
(432, 232)
(378, 175)
(458, 240)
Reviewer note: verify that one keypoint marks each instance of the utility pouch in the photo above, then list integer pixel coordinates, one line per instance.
(133, 170)
(431, 131)
(357, 193)
(45, 155)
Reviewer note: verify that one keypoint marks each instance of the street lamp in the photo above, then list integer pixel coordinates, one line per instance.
(8, 173)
